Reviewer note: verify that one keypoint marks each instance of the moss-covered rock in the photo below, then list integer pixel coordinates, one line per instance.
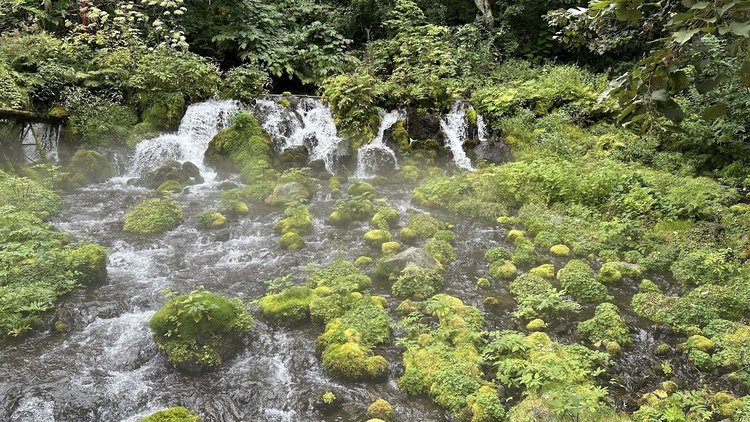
(211, 220)
(441, 250)
(503, 270)
(380, 409)
(154, 215)
(360, 188)
(537, 297)
(578, 279)
(418, 283)
(376, 238)
(162, 110)
(289, 306)
(200, 330)
(292, 241)
(298, 220)
(185, 174)
(610, 273)
(525, 253)
(545, 271)
(170, 186)
(536, 325)
(173, 414)
(88, 166)
(606, 326)
(385, 217)
(390, 248)
(560, 250)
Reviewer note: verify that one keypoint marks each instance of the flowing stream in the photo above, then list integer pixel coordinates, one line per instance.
(100, 364)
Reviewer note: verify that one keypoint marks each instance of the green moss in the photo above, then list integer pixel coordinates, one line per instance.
(441, 250)
(352, 208)
(88, 167)
(360, 188)
(485, 405)
(497, 254)
(292, 241)
(380, 409)
(483, 283)
(291, 305)
(502, 270)
(698, 342)
(170, 186)
(162, 110)
(409, 173)
(154, 215)
(423, 226)
(386, 217)
(418, 283)
(88, 262)
(606, 326)
(298, 220)
(471, 116)
(200, 330)
(401, 135)
(610, 273)
(363, 261)
(545, 271)
(28, 195)
(537, 297)
(525, 253)
(578, 280)
(536, 325)
(560, 250)
(390, 248)
(173, 414)
(515, 234)
(376, 238)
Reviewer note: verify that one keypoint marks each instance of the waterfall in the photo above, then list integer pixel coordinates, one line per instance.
(456, 131)
(368, 155)
(202, 121)
(482, 132)
(39, 141)
(308, 124)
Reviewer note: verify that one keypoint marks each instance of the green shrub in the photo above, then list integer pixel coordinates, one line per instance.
(28, 195)
(577, 279)
(418, 283)
(606, 326)
(537, 297)
(154, 215)
(88, 166)
(441, 250)
(245, 83)
(200, 330)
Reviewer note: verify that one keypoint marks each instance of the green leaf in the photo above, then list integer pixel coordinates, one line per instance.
(681, 37)
(715, 111)
(741, 29)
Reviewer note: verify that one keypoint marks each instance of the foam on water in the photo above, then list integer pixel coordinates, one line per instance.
(456, 130)
(202, 121)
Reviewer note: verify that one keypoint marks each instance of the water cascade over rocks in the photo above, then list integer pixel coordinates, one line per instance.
(306, 123)
(39, 141)
(377, 155)
(199, 125)
(456, 130)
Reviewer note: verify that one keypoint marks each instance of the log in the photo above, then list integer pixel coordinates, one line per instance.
(27, 116)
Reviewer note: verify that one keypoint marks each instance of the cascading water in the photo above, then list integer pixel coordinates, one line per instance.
(199, 125)
(371, 155)
(309, 124)
(39, 141)
(456, 130)
(482, 132)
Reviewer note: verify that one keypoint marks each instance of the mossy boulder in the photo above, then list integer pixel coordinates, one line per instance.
(185, 174)
(292, 241)
(88, 262)
(208, 220)
(154, 215)
(376, 238)
(418, 283)
(390, 248)
(536, 325)
(560, 250)
(380, 409)
(88, 167)
(288, 192)
(545, 271)
(610, 273)
(606, 326)
(162, 110)
(298, 220)
(441, 250)
(412, 255)
(578, 280)
(360, 188)
(289, 306)
(173, 414)
(200, 330)
(502, 270)
(170, 186)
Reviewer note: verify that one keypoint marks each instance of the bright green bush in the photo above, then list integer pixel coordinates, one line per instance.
(577, 279)
(418, 283)
(200, 330)
(441, 250)
(154, 215)
(245, 83)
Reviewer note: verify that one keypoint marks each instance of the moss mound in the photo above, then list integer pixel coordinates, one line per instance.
(154, 215)
(173, 414)
(200, 330)
(88, 167)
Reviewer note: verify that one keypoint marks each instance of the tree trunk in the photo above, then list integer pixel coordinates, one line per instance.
(485, 8)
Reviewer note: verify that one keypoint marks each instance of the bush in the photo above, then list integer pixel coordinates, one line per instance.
(578, 279)
(27, 195)
(154, 215)
(441, 250)
(200, 330)
(245, 83)
(537, 297)
(418, 283)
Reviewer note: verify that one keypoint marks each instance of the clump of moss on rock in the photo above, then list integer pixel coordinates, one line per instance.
(380, 409)
(418, 283)
(537, 297)
(208, 220)
(154, 215)
(606, 326)
(578, 280)
(173, 414)
(290, 306)
(200, 330)
(88, 167)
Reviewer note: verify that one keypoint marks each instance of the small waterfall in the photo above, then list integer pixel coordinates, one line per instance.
(377, 151)
(309, 124)
(456, 131)
(39, 141)
(202, 121)
(482, 132)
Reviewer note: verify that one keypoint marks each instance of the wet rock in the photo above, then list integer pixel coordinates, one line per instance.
(292, 157)
(288, 192)
(378, 161)
(494, 151)
(423, 126)
(227, 185)
(185, 174)
(411, 255)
